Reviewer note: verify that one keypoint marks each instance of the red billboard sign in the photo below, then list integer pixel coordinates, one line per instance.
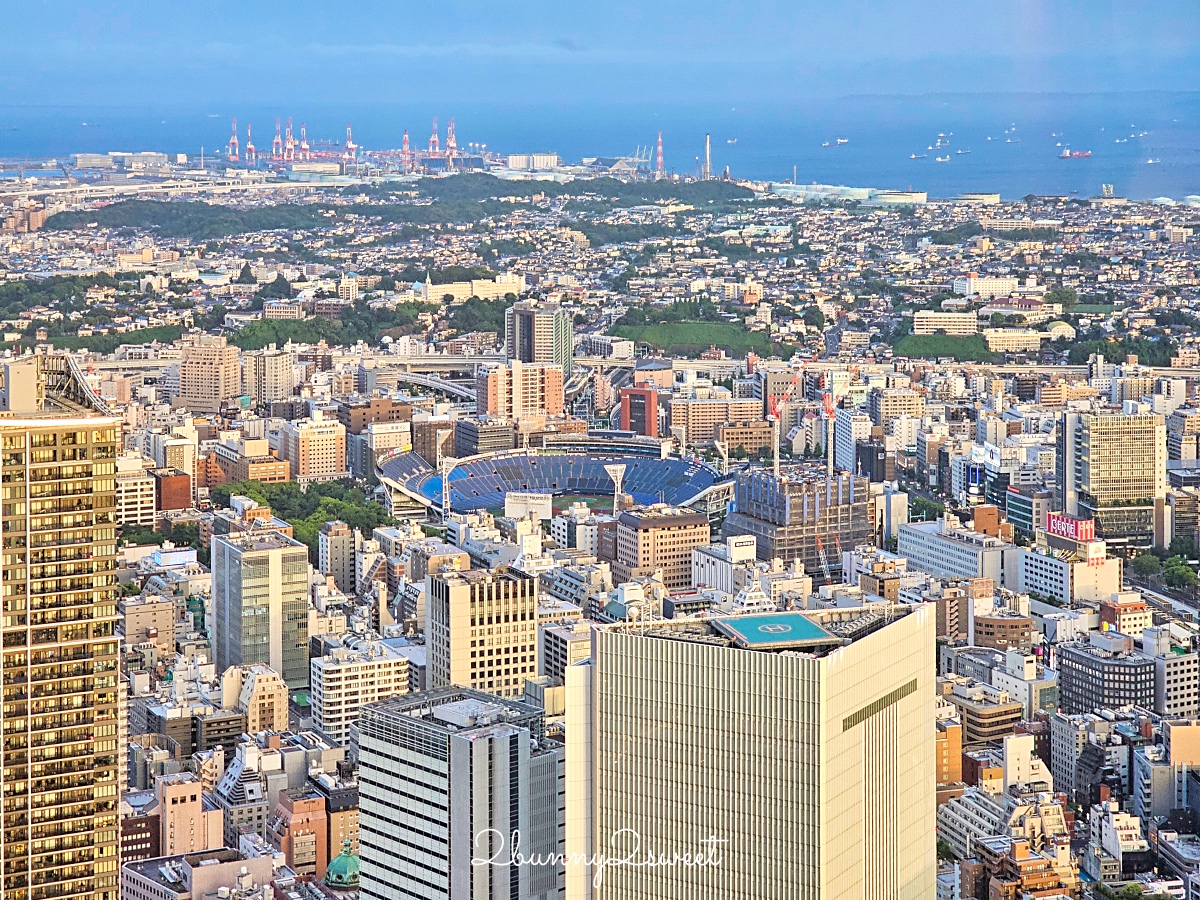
(1068, 527)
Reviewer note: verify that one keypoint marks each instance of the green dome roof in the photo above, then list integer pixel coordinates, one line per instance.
(342, 872)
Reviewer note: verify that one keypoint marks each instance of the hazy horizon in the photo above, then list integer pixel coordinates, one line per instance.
(146, 53)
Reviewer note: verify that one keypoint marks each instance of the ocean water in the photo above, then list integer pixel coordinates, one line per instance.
(1146, 145)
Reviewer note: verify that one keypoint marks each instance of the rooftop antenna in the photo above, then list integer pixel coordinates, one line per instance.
(616, 471)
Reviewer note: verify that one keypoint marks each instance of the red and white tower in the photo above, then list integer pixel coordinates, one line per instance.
(233, 143)
(451, 140)
(350, 150)
(251, 151)
(305, 153)
(289, 143)
(434, 146)
(277, 144)
(406, 156)
(658, 167)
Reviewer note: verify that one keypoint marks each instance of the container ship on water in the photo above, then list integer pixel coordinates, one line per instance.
(1074, 154)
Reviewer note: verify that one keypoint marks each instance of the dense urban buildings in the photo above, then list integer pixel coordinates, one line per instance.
(482, 493)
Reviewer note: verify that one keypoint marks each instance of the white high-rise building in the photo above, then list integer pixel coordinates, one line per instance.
(446, 778)
(849, 427)
(344, 681)
(268, 375)
(797, 749)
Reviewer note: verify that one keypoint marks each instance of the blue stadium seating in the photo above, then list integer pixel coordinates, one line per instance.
(482, 483)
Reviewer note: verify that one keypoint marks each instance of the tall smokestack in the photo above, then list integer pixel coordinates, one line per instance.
(707, 157)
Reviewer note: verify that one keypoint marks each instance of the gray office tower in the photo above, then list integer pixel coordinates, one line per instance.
(446, 778)
(260, 603)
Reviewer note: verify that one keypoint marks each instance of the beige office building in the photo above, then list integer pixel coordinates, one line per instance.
(62, 756)
(659, 537)
(798, 747)
(315, 449)
(268, 375)
(209, 373)
(699, 416)
(481, 630)
(260, 693)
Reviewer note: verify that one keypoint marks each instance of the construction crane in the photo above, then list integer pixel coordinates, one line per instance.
(830, 413)
(434, 145)
(251, 151)
(305, 153)
(277, 144)
(451, 142)
(233, 143)
(350, 149)
(824, 560)
(289, 143)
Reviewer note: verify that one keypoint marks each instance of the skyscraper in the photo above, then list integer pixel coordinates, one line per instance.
(209, 373)
(540, 333)
(481, 630)
(61, 753)
(445, 778)
(260, 603)
(1112, 468)
(267, 375)
(798, 747)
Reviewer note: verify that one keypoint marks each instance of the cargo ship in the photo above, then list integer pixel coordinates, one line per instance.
(1068, 153)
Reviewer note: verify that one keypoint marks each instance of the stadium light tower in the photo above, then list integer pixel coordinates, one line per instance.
(616, 471)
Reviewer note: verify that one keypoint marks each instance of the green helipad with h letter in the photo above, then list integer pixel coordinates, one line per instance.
(775, 631)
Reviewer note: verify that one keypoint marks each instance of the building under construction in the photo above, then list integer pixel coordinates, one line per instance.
(803, 514)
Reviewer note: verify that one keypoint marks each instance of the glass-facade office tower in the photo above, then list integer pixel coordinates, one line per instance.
(260, 603)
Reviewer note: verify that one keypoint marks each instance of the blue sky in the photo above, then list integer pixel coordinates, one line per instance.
(168, 53)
